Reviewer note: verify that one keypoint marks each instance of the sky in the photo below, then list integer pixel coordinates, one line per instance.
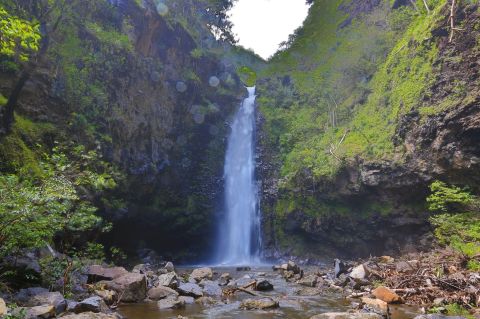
(262, 25)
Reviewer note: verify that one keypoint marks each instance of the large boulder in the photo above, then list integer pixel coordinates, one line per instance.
(201, 273)
(97, 273)
(387, 295)
(347, 315)
(190, 289)
(161, 292)
(260, 304)
(169, 267)
(211, 288)
(131, 287)
(168, 280)
(292, 266)
(3, 308)
(37, 296)
(92, 304)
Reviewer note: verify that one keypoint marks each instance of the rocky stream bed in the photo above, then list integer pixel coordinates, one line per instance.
(376, 288)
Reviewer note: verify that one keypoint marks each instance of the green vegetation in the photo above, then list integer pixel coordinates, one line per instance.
(19, 38)
(247, 75)
(457, 222)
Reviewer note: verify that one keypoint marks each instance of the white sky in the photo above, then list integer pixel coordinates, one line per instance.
(262, 25)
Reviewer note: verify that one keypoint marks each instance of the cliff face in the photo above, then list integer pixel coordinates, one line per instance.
(136, 85)
(365, 191)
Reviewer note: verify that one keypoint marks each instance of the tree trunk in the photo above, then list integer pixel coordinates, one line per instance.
(9, 109)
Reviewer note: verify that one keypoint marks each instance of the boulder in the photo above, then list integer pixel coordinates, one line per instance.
(92, 304)
(171, 303)
(187, 300)
(211, 288)
(225, 279)
(190, 289)
(260, 304)
(264, 285)
(292, 266)
(131, 287)
(201, 273)
(169, 267)
(3, 307)
(97, 273)
(308, 291)
(376, 305)
(387, 295)
(32, 297)
(109, 296)
(404, 267)
(168, 280)
(44, 311)
(308, 281)
(206, 301)
(347, 315)
(161, 292)
(340, 267)
(92, 315)
(359, 272)
(142, 268)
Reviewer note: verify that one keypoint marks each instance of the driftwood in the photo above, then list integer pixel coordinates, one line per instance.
(230, 291)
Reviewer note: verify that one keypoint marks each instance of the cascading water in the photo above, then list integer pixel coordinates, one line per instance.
(240, 240)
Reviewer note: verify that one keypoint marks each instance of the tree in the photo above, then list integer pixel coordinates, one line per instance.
(218, 19)
(27, 42)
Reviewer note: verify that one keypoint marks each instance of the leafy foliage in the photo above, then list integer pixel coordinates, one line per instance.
(19, 38)
(458, 221)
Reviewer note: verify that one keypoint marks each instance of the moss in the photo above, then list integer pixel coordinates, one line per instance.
(21, 150)
(3, 100)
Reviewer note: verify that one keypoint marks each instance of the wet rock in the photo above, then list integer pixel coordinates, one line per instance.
(92, 304)
(225, 279)
(109, 296)
(260, 304)
(264, 285)
(387, 295)
(347, 315)
(98, 273)
(161, 292)
(131, 287)
(308, 281)
(201, 273)
(92, 315)
(211, 288)
(206, 301)
(171, 303)
(187, 300)
(359, 272)
(190, 289)
(168, 280)
(308, 291)
(243, 268)
(376, 305)
(3, 307)
(340, 267)
(169, 267)
(292, 266)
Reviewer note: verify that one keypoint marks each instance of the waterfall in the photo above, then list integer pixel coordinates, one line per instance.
(240, 240)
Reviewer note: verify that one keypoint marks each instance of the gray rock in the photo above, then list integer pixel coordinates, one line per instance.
(43, 312)
(168, 280)
(169, 267)
(201, 273)
(92, 315)
(404, 267)
(260, 304)
(211, 288)
(97, 273)
(32, 297)
(190, 289)
(359, 272)
(292, 266)
(171, 303)
(131, 287)
(161, 292)
(308, 281)
(225, 279)
(264, 285)
(340, 267)
(92, 304)
(187, 300)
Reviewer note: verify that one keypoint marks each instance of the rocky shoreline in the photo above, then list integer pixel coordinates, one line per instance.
(370, 288)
